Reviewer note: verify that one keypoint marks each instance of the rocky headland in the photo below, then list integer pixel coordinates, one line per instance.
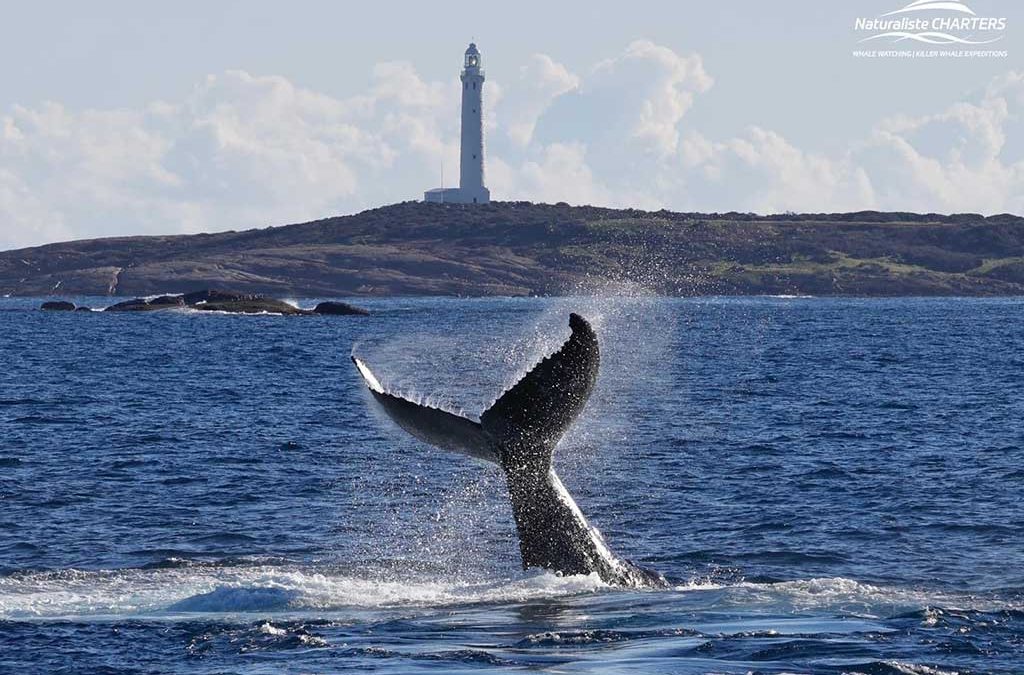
(519, 248)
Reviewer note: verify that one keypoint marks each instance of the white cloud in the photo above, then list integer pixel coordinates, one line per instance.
(954, 160)
(26, 219)
(762, 172)
(640, 151)
(540, 81)
(655, 88)
(246, 151)
(239, 151)
(560, 174)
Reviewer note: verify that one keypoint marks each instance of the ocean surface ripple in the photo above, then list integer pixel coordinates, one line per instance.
(831, 486)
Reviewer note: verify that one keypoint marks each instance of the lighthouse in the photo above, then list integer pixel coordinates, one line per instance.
(471, 188)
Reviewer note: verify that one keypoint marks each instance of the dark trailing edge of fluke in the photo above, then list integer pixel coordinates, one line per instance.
(519, 432)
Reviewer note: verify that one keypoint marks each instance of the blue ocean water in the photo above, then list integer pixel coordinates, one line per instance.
(831, 485)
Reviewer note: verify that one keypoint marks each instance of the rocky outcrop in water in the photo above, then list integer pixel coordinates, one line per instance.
(255, 305)
(135, 305)
(58, 306)
(339, 308)
(213, 300)
(216, 295)
(167, 301)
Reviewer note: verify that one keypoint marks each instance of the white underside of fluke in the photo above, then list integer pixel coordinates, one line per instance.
(371, 379)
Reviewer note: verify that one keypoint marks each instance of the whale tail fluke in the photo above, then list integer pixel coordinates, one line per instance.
(528, 420)
(519, 432)
(434, 426)
(525, 423)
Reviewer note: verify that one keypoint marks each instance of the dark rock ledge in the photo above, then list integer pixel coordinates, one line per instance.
(58, 306)
(340, 308)
(219, 301)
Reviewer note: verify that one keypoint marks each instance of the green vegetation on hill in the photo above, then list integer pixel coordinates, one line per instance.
(518, 248)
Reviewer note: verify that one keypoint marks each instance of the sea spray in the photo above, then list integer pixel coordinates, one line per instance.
(467, 517)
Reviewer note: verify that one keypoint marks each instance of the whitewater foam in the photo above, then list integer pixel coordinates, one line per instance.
(167, 592)
(853, 597)
(170, 592)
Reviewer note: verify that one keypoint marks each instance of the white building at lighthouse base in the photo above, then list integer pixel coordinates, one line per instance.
(458, 195)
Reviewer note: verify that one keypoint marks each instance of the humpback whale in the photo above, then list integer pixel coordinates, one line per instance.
(519, 433)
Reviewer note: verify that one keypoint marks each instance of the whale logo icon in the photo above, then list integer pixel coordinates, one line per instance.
(922, 5)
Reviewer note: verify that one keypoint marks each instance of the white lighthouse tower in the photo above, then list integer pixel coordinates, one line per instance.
(471, 188)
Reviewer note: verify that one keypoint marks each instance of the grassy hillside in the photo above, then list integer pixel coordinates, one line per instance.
(518, 248)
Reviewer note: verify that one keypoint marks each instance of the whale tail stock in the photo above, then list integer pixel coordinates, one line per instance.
(519, 432)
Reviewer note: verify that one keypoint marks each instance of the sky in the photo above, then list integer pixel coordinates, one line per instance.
(162, 118)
